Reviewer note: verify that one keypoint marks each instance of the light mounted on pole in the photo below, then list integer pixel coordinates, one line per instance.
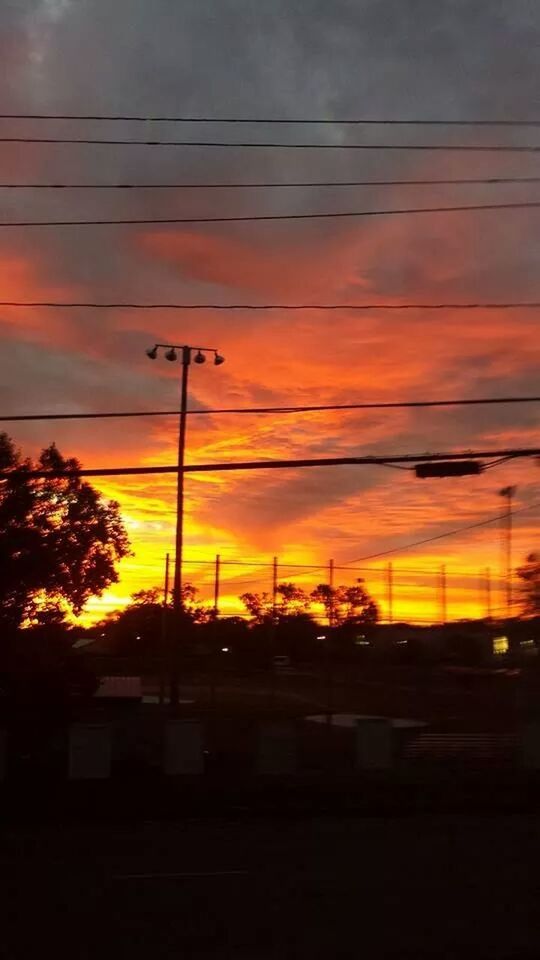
(186, 354)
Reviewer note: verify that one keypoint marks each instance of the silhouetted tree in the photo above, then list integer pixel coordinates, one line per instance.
(346, 604)
(326, 596)
(529, 573)
(290, 600)
(139, 627)
(59, 539)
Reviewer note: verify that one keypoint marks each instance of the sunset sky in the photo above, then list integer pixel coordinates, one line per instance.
(349, 58)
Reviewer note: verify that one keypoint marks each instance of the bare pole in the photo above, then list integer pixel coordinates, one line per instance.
(487, 584)
(508, 493)
(166, 581)
(274, 587)
(217, 584)
(509, 555)
(164, 625)
(215, 631)
(331, 598)
(390, 591)
(442, 587)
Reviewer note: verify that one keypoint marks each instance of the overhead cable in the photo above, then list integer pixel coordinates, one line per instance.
(306, 408)
(252, 218)
(138, 305)
(334, 121)
(442, 536)
(278, 464)
(272, 145)
(186, 185)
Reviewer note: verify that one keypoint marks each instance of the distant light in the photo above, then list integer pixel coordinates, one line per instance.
(138, 637)
(152, 353)
(224, 649)
(199, 357)
(322, 637)
(171, 355)
(218, 359)
(500, 646)
(527, 643)
(401, 643)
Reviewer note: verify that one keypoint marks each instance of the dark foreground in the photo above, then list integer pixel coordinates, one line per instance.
(441, 887)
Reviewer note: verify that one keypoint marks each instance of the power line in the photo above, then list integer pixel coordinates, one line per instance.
(267, 184)
(266, 145)
(314, 408)
(313, 567)
(441, 536)
(250, 218)
(119, 305)
(326, 121)
(271, 464)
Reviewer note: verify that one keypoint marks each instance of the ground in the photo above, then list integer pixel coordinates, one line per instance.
(472, 701)
(440, 887)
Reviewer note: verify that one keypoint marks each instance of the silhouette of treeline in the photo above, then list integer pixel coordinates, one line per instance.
(145, 632)
(60, 545)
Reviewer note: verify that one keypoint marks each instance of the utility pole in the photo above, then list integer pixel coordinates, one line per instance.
(442, 584)
(331, 598)
(390, 591)
(274, 588)
(487, 586)
(179, 539)
(216, 584)
(164, 629)
(172, 351)
(508, 493)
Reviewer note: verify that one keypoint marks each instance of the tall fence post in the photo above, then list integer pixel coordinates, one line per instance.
(273, 628)
(274, 586)
(442, 592)
(331, 597)
(214, 637)
(487, 585)
(390, 591)
(216, 583)
(164, 629)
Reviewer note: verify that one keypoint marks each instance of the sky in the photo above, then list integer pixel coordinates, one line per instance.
(389, 59)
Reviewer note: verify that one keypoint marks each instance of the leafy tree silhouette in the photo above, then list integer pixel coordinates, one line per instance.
(60, 540)
(291, 600)
(529, 573)
(346, 605)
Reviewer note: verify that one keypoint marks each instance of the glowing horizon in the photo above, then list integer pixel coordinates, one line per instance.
(305, 62)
